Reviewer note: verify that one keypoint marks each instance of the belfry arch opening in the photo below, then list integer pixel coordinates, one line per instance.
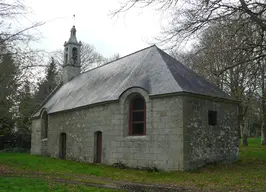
(75, 55)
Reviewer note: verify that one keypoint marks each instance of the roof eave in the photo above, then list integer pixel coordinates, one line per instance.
(184, 93)
(34, 116)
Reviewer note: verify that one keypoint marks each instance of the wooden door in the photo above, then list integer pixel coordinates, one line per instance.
(99, 147)
(62, 146)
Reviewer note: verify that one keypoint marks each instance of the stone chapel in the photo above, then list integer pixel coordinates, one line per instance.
(145, 109)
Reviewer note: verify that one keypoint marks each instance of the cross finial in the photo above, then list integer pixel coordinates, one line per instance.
(74, 19)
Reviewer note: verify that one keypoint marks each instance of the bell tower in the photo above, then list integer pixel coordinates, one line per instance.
(71, 66)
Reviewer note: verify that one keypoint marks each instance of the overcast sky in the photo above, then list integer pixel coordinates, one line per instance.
(94, 25)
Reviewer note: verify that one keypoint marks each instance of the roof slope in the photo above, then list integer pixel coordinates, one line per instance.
(150, 68)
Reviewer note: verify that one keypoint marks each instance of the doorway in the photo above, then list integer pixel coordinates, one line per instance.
(62, 146)
(98, 147)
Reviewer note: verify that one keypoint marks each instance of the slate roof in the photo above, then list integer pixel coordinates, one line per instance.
(150, 68)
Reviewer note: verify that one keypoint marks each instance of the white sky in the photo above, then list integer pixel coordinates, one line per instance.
(123, 35)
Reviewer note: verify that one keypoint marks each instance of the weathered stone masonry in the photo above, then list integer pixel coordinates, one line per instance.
(178, 136)
(205, 143)
(155, 149)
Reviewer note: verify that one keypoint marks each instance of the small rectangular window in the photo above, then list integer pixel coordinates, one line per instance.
(212, 117)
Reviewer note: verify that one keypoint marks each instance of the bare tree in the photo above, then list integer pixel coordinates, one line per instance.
(112, 58)
(12, 11)
(202, 12)
(215, 52)
(16, 60)
(262, 67)
(191, 18)
(15, 39)
(89, 57)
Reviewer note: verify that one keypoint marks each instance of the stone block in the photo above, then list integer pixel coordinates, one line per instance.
(164, 146)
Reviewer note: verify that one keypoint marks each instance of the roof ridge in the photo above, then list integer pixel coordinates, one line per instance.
(153, 70)
(120, 58)
(161, 52)
(199, 77)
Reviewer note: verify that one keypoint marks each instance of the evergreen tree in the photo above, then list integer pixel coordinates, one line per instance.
(9, 84)
(51, 76)
(22, 136)
(46, 86)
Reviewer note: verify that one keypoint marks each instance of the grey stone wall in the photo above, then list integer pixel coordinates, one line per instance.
(204, 143)
(38, 143)
(36, 136)
(44, 147)
(163, 143)
(70, 72)
(178, 136)
(161, 147)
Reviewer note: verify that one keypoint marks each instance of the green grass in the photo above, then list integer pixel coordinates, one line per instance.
(248, 174)
(15, 184)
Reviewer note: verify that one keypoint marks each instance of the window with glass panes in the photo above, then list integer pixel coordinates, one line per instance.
(137, 120)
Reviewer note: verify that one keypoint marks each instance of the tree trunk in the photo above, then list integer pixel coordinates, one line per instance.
(263, 107)
(263, 118)
(243, 125)
(263, 134)
(1, 142)
(245, 140)
(243, 128)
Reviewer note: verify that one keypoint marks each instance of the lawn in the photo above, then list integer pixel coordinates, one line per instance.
(9, 184)
(248, 174)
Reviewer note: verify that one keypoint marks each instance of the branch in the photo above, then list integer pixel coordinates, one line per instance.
(253, 15)
(15, 35)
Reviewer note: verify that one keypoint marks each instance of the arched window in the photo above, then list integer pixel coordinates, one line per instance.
(66, 56)
(75, 55)
(137, 119)
(44, 125)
